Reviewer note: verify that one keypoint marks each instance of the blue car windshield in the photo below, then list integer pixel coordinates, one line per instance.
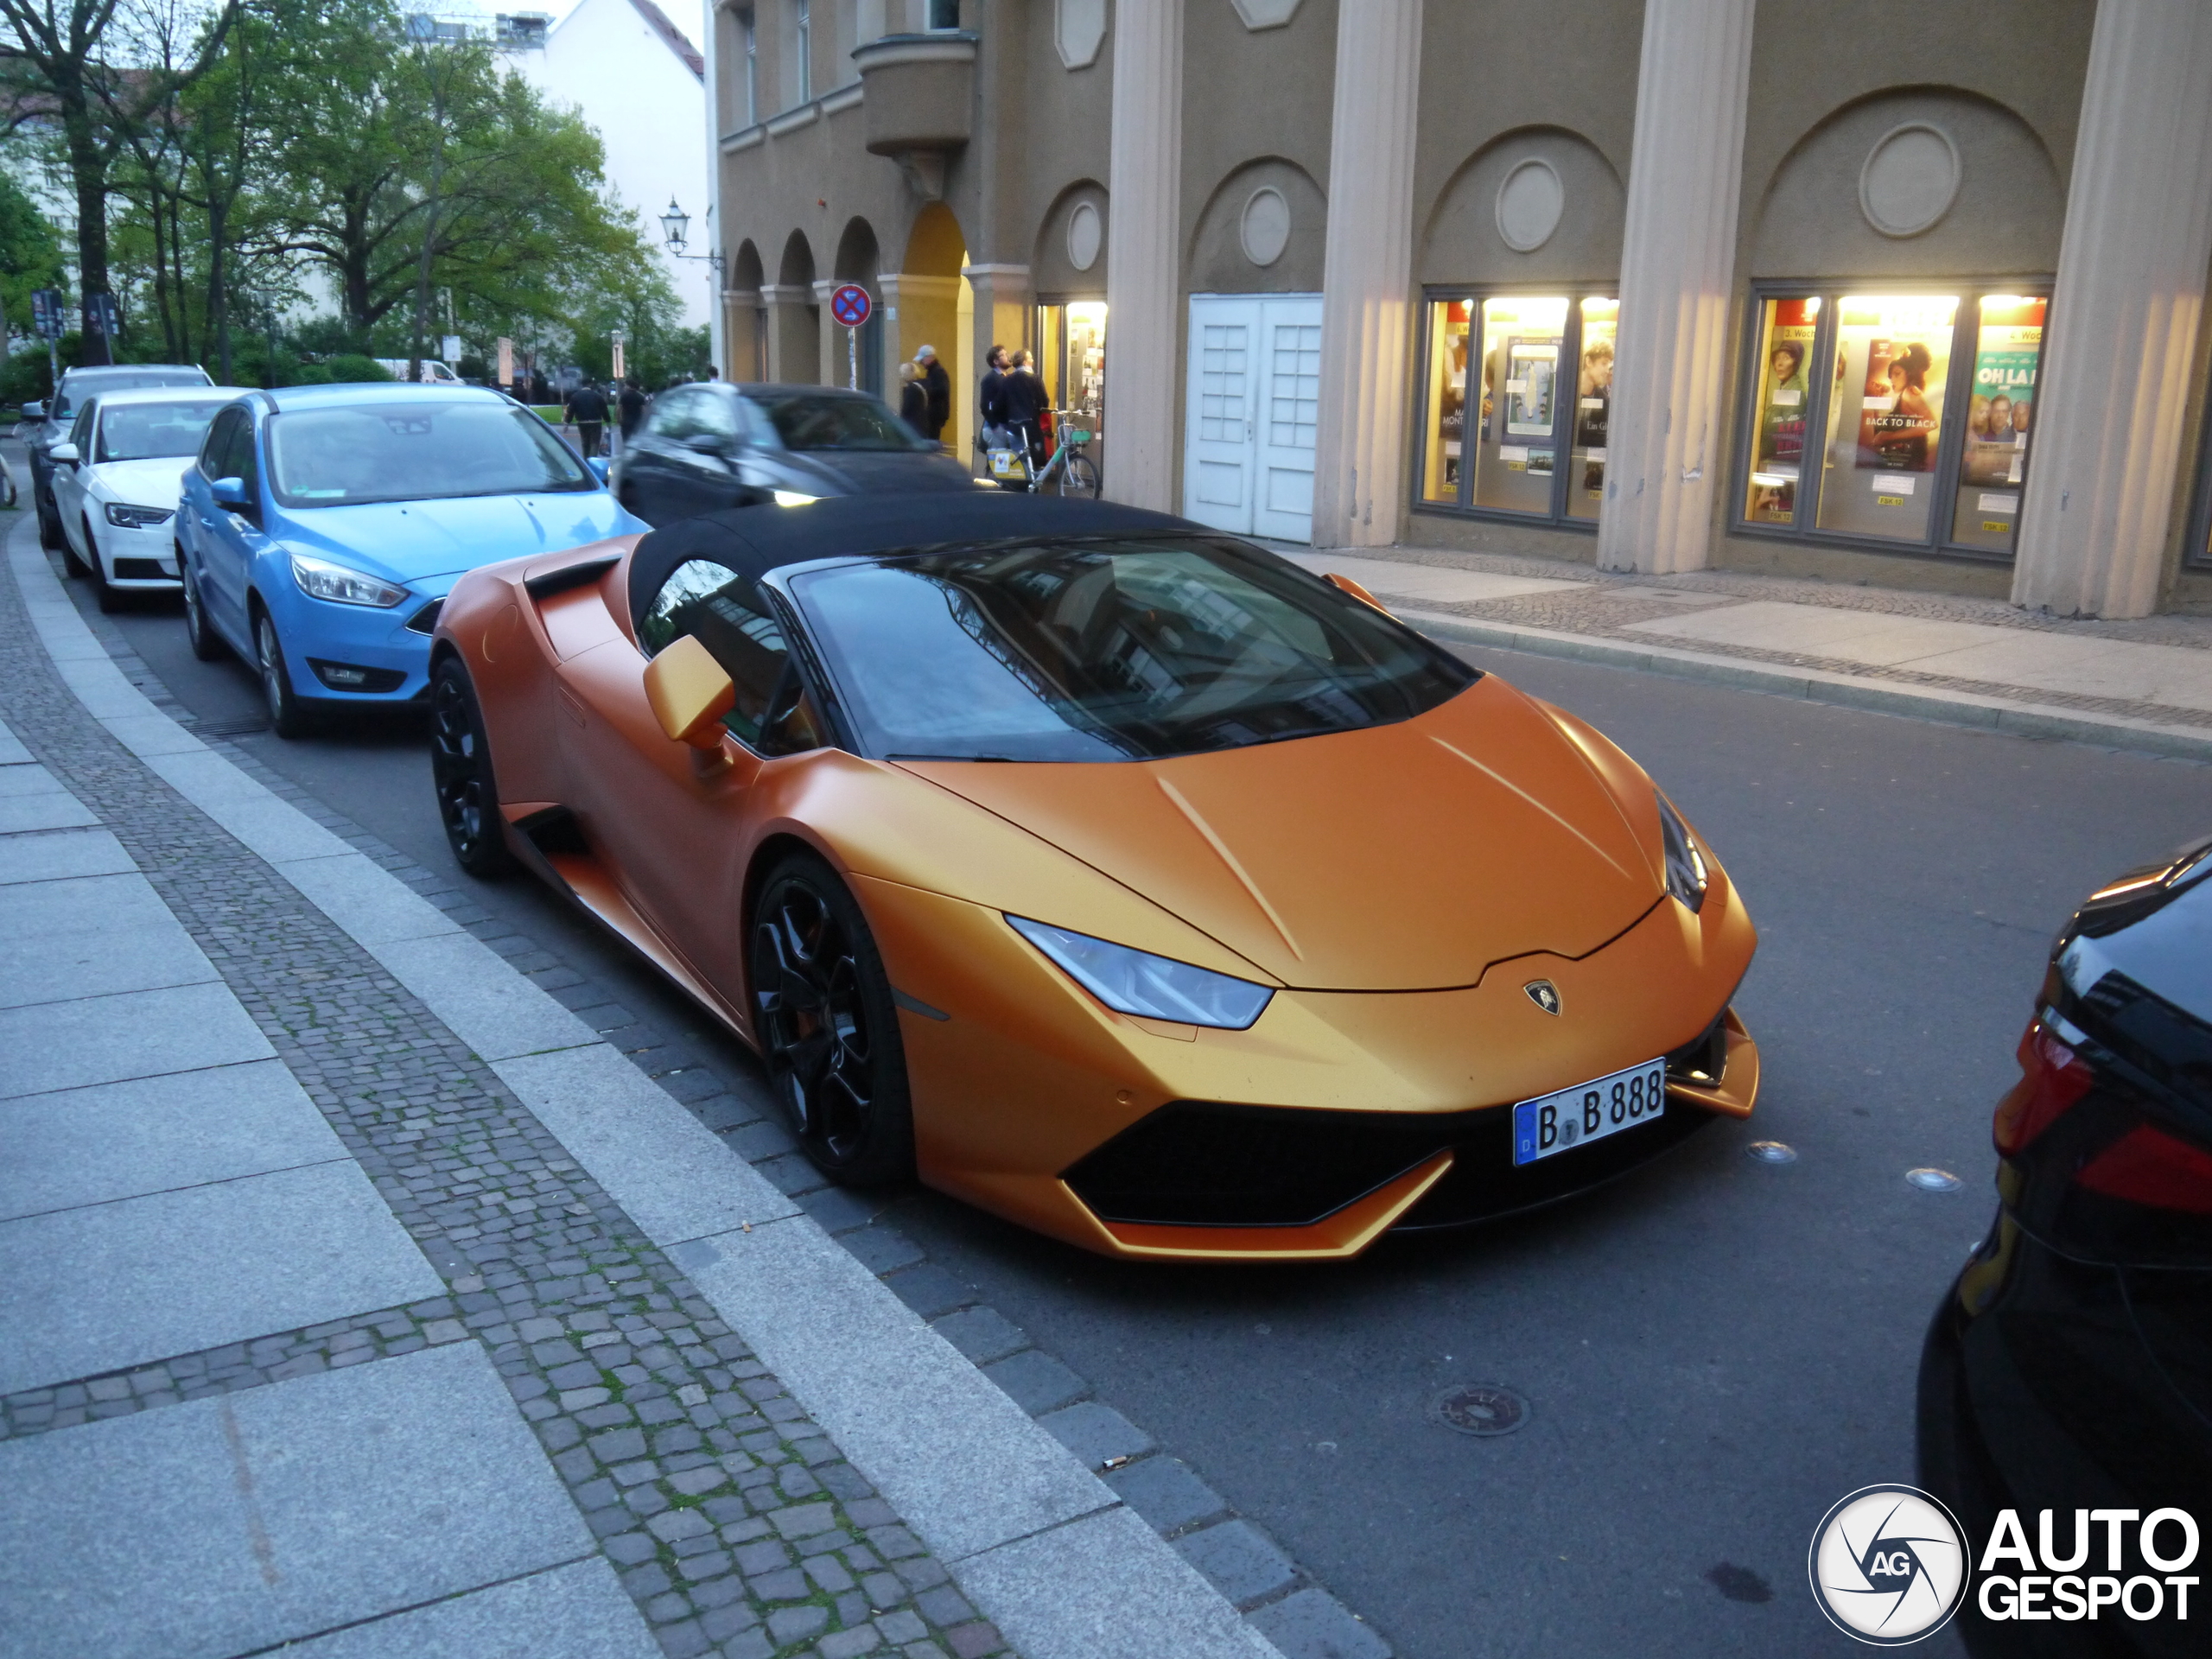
(427, 451)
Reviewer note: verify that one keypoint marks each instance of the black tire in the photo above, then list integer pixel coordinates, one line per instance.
(1079, 477)
(49, 531)
(828, 1027)
(461, 772)
(288, 716)
(206, 645)
(104, 594)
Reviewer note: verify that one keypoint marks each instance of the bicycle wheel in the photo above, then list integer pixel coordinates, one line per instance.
(1078, 476)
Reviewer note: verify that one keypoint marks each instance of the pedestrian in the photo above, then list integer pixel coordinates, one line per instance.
(633, 403)
(992, 401)
(586, 410)
(937, 386)
(1025, 408)
(913, 399)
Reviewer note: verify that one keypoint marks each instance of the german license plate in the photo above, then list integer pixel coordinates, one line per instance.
(1590, 1111)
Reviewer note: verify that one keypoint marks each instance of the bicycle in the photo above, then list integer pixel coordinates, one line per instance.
(1069, 469)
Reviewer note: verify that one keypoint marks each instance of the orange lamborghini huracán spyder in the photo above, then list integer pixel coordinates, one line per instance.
(1108, 873)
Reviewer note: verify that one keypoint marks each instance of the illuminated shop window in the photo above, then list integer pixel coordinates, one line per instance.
(1515, 401)
(1921, 402)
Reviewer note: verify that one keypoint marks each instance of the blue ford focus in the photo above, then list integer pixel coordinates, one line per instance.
(321, 527)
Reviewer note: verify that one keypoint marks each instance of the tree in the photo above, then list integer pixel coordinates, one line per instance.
(60, 71)
(30, 258)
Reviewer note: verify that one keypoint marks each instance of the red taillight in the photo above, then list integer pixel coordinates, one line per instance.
(2147, 1165)
(2052, 1079)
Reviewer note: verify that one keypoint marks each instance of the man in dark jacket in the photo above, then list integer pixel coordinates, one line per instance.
(1025, 405)
(586, 410)
(633, 405)
(993, 400)
(937, 386)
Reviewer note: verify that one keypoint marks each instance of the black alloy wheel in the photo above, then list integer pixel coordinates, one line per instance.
(108, 597)
(828, 1027)
(50, 534)
(1079, 477)
(71, 560)
(201, 637)
(460, 772)
(288, 716)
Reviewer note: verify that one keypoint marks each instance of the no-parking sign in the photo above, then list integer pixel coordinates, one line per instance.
(850, 305)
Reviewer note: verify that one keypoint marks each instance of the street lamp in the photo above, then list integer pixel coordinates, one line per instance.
(675, 229)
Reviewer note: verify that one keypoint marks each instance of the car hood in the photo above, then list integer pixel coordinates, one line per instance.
(1401, 857)
(417, 541)
(863, 472)
(151, 483)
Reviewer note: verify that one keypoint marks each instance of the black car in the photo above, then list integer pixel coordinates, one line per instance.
(46, 424)
(2070, 1370)
(716, 445)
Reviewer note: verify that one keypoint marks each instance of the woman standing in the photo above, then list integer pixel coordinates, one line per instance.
(913, 399)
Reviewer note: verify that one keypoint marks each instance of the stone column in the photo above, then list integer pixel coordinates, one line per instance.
(793, 353)
(2117, 356)
(1666, 455)
(1143, 269)
(1359, 482)
(1003, 305)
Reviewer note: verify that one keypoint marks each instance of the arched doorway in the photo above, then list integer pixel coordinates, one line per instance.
(745, 322)
(795, 318)
(936, 308)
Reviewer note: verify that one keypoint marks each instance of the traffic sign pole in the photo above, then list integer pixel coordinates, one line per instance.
(850, 305)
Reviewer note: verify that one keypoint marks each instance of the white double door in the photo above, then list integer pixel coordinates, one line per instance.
(1253, 396)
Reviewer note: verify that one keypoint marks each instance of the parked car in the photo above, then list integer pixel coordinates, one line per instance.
(1040, 861)
(434, 371)
(2069, 1369)
(716, 445)
(45, 423)
(321, 526)
(116, 480)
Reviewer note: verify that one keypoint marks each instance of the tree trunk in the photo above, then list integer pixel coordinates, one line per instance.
(88, 170)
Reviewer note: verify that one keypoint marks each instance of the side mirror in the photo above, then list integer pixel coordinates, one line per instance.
(35, 409)
(63, 455)
(232, 495)
(598, 465)
(689, 693)
(1345, 584)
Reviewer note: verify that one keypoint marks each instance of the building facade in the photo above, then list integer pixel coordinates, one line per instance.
(1864, 289)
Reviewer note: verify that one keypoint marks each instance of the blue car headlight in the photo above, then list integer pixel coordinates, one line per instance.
(319, 579)
(1136, 981)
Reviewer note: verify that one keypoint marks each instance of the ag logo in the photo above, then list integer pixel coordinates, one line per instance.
(1543, 993)
(1888, 1565)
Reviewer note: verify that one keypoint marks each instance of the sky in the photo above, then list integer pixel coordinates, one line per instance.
(687, 15)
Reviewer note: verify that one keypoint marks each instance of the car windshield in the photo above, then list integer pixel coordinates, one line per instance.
(399, 451)
(1109, 650)
(144, 431)
(73, 388)
(812, 421)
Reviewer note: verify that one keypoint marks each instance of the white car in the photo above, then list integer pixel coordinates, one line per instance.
(117, 482)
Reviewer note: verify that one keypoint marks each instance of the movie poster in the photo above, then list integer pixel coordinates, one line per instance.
(1897, 421)
(2003, 397)
(1532, 373)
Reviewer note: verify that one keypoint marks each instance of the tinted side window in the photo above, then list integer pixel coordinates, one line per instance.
(716, 414)
(671, 414)
(238, 455)
(726, 613)
(82, 433)
(217, 443)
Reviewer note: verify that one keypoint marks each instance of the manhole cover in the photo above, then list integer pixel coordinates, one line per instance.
(1479, 1408)
(237, 726)
(1771, 1152)
(1933, 1180)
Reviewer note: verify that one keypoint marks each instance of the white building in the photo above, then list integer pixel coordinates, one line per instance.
(641, 84)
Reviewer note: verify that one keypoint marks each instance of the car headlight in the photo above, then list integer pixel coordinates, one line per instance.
(124, 517)
(319, 579)
(793, 498)
(1687, 875)
(1136, 981)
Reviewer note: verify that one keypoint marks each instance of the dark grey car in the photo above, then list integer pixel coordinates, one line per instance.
(708, 446)
(46, 424)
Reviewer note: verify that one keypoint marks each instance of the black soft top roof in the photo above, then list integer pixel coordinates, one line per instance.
(752, 541)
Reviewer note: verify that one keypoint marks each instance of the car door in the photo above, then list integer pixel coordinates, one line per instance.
(69, 476)
(698, 455)
(646, 484)
(673, 823)
(228, 540)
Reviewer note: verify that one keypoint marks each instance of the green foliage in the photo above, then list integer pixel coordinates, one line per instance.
(30, 255)
(351, 366)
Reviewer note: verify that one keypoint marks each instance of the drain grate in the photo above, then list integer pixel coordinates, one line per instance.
(235, 726)
(1484, 1408)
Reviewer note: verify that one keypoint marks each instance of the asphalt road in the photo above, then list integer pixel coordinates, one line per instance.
(1715, 1349)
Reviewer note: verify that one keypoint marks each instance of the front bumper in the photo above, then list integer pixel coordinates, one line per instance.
(1337, 1116)
(390, 648)
(139, 561)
